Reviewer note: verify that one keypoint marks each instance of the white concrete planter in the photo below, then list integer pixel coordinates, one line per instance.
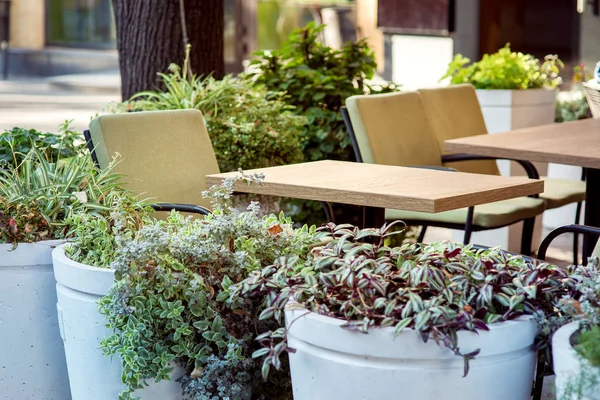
(333, 363)
(92, 375)
(572, 372)
(32, 360)
(503, 111)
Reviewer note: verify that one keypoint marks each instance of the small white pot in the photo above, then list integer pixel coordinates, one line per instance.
(32, 360)
(573, 372)
(92, 375)
(333, 363)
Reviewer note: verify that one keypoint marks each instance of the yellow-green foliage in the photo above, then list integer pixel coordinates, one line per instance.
(506, 69)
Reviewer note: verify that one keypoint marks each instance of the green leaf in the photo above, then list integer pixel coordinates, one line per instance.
(400, 326)
(201, 325)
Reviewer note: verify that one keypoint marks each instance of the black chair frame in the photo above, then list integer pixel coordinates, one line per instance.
(189, 208)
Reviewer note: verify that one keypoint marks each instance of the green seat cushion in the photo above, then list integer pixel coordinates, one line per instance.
(491, 215)
(560, 192)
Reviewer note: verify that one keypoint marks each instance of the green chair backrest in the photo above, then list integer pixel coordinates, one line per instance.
(392, 129)
(164, 154)
(454, 112)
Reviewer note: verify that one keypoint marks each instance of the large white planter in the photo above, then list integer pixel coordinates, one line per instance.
(572, 372)
(333, 363)
(92, 375)
(503, 111)
(32, 360)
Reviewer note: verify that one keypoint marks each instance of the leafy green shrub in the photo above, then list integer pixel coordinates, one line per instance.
(39, 196)
(247, 129)
(506, 69)
(317, 80)
(435, 289)
(170, 305)
(17, 142)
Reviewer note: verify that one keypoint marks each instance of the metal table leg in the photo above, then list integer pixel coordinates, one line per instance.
(592, 209)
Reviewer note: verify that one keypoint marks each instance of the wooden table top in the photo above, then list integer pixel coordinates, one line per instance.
(403, 188)
(572, 143)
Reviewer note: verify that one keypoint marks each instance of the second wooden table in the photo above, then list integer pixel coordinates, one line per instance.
(571, 143)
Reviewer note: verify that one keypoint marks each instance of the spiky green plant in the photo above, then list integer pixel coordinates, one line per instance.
(38, 195)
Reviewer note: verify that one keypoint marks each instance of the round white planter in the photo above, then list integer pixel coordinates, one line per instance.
(32, 360)
(572, 372)
(92, 375)
(333, 363)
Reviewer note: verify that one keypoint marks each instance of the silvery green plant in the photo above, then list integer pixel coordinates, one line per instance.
(436, 290)
(170, 305)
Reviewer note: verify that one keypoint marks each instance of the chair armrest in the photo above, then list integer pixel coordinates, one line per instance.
(435, 167)
(532, 172)
(584, 229)
(190, 208)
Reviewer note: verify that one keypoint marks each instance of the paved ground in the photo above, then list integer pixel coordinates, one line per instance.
(40, 105)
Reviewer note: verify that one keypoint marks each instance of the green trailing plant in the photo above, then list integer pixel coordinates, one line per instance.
(170, 306)
(16, 143)
(506, 69)
(38, 196)
(436, 290)
(248, 129)
(317, 80)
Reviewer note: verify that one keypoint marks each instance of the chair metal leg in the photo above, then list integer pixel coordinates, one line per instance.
(422, 234)
(576, 236)
(539, 377)
(527, 236)
(468, 226)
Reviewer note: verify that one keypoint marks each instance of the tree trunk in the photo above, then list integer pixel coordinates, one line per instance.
(149, 39)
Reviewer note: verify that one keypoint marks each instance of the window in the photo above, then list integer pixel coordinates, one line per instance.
(80, 23)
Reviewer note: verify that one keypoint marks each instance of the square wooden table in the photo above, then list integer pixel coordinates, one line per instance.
(381, 186)
(572, 143)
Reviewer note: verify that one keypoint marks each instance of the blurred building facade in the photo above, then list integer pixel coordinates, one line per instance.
(413, 39)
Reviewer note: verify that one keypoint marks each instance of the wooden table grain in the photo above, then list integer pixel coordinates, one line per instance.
(382, 186)
(571, 143)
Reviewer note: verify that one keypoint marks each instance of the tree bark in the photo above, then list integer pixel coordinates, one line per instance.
(149, 39)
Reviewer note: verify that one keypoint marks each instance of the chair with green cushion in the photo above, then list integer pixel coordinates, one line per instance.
(454, 112)
(393, 129)
(164, 154)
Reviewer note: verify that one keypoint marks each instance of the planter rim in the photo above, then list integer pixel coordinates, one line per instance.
(324, 319)
(59, 254)
(81, 277)
(326, 332)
